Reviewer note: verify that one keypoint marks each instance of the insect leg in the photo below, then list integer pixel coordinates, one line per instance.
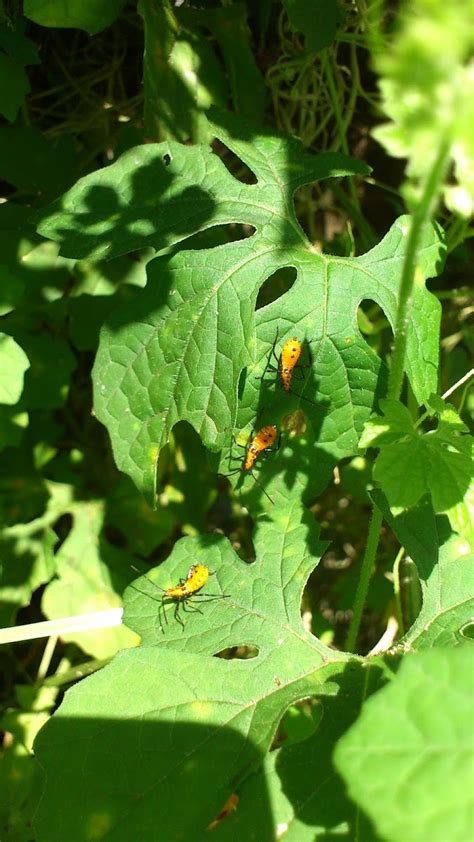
(176, 615)
(188, 606)
(269, 365)
(162, 618)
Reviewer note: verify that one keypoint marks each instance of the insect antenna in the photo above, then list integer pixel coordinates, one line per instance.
(303, 397)
(261, 486)
(144, 576)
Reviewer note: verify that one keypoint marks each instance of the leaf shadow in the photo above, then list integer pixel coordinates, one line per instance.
(320, 799)
(128, 778)
(145, 212)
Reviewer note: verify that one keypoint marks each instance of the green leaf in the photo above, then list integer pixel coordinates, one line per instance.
(11, 290)
(408, 759)
(23, 491)
(98, 289)
(461, 517)
(141, 527)
(31, 271)
(186, 485)
(435, 103)
(445, 569)
(224, 712)
(15, 52)
(395, 422)
(230, 28)
(182, 77)
(26, 553)
(317, 20)
(13, 364)
(32, 164)
(20, 776)
(298, 793)
(51, 364)
(14, 86)
(14, 43)
(159, 194)
(90, 576)
(448, 603)
(91, 15)
(12, 426)
(411, 464)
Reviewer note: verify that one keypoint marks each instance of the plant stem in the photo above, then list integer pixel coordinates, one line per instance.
(365, 574)
(46, 659)
(419, 219)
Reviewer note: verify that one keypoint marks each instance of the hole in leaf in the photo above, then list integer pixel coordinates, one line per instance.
(62, 528)
(166, 160)
(467, 631)
(276, 285)
(299, 722)
(233, 163)
(238, 653)
(321, 217)
(370, 318)
(242, 381)
(218, 235)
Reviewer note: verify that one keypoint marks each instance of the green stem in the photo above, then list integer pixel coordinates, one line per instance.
(365, 574)
(46, 659)
(419, 219)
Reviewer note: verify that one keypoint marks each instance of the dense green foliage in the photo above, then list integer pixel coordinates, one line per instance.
(186, 187)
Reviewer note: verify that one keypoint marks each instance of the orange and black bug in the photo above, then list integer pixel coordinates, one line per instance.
(288, 363)
(261, 443)
(181, 594)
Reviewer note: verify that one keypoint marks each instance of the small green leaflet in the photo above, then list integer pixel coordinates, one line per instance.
(412, 464)
(91, 574)
(13, 364)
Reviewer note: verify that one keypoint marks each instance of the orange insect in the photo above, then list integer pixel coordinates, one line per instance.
(181, 593)
(287, 363)
(290, 354)
(260, 443)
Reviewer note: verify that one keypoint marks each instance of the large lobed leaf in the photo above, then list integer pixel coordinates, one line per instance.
(168, 722)
(178, 351)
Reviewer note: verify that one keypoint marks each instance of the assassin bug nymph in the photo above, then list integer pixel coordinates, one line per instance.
(261, 442)
(181, 594)
(288, 363)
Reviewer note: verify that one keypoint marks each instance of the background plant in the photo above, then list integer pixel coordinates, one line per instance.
(139, 303)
